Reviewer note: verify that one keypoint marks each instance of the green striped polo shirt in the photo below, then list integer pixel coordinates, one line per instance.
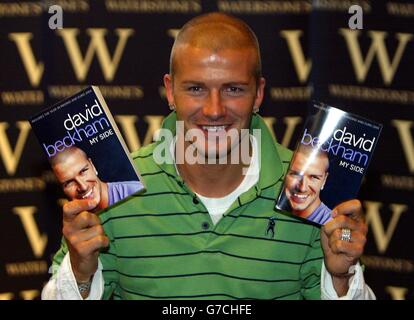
(163, 244)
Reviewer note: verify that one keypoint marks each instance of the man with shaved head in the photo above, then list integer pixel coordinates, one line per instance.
(305, 179)
(208, 229)
(78, 176)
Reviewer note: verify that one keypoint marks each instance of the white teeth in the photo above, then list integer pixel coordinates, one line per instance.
(87, 194)
(213, 128)
(301, 196)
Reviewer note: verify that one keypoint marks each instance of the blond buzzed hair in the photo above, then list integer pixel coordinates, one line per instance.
(310, 151)
(217, 31)
(64, 154)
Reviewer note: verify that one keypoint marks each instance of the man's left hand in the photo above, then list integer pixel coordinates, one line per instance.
(340, 255)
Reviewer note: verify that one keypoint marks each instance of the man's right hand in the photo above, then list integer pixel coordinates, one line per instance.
(85, 236)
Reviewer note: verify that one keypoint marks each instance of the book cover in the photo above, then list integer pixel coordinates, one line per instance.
(86, 150)
(329, 162)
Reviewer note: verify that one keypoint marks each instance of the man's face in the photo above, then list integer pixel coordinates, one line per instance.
(304, 182)
(78, 178)
(214, 92)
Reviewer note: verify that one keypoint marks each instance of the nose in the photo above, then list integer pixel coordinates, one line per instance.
(303, 184)
(214, 108)
(82, 185)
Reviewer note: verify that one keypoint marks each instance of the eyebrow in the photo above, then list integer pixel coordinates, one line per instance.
(232, 83)
(192, 82)
(298, 172)
(237, 83)
(69, 180)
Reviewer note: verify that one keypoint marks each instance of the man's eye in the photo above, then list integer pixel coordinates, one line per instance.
(195, 89)
(67, 184)
(294, 174)
(234, 89)
(84, 170)
(316, 178)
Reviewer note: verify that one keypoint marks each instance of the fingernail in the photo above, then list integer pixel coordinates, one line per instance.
(334, 213)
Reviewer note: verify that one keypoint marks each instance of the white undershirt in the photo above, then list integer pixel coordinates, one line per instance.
(216, 207)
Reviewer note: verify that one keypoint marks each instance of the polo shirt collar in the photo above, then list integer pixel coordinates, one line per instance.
(271, 169)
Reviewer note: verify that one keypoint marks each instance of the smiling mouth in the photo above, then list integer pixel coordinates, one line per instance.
(296, 197)
(301, 196)
(86, 195)
(215, 128)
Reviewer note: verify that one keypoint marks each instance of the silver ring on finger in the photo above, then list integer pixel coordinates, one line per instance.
(346, 234)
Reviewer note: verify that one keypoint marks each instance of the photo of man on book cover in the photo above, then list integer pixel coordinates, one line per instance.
(79, 179)
(329, 163)
(77, 134)
(305, 179)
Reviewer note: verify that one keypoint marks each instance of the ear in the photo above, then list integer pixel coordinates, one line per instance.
(324, 181)
(259, 94)
(93, 167)
(168, 84)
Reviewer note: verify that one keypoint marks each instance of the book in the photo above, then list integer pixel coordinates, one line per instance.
(329, 162)
(86, 151)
